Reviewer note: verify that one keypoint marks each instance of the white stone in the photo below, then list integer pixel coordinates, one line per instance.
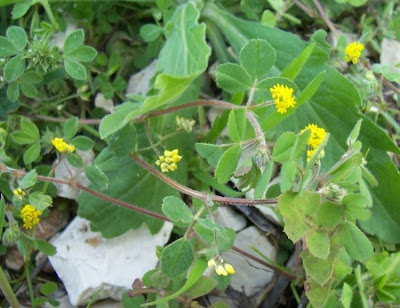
(65, 171)
(229, 218)
(139, 83)
(86, 262)
(101, 102)
(390, 54)
(250, 277)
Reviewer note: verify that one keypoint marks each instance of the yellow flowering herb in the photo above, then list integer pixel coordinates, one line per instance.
(317, 135)
(221, 268)
(353, 52)
(283, 97)
(61, 146)
(168, 161)
(19, 193)
(30, 216)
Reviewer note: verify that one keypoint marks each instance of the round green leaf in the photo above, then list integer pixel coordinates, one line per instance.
(177, 258)
(83, 54)
(13, 91)
(70, 128)
(257, 57)
(177, 210)
(75, 69)
(74, 159)
(318, 243)
(83, 143)
(97, 176)
(233, 78)
(150, 32)
(6, 48)
(356, 243)
(73, 41)
(28, 89)
(14, 68)
(32, 153)
(228, 163)
(17, 36)
(31, 77)
(20, 9)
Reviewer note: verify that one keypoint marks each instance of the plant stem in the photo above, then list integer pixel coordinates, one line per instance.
(29, 282)
(197, 194)
(199, 212)
(49, 12)
(326, 18)
(7, 290)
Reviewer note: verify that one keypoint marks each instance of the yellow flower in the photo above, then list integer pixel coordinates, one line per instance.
(283, 97)
(317, 135)
(221, 268)
(30, 216)
(62, 146)
(353, 52)
(168, 161)
(19, 193)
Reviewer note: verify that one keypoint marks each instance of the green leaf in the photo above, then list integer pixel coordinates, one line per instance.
(290, 146)
(32, 153)
(208, 179)
(318, 269)
(14, 68)
(28, 180)
(121, 115)
(228, 163)
(75, 69)
(83, 143)
(356, 206)
(74, 159)
(260, 189)
(170, 89)
(6, 48)
(48, 288)
(295, 208)
(13, 91)
(356, 243)
(237, 124)
(123, 142)
(20, 9)
(354, 133)
(135, 185)
(176, 210)
(202, 287)
(28, 89)
(17, 36)
(347, 295)
(40, 200)
(150, 32)
(73, 41)
(318, 243)
(317, 294)
(70, 128)
(194, 276)
(233, 78)
(49, 250)
(132, 302)
(97, 176)
(29, 133)
(293, 68)
(329, 214)
(206, 230)
(176, 258)
(211, 152)
(252, 8)
(31, 77)
(345, 168)
(83, 54)
(310, 89)
(288, 174)
(186, 51)
(257, 57)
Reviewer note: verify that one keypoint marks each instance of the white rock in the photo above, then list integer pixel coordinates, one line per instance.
(101, 102)
(229, 218)
(139, 83)
(390, 54)
(65, 171)
(86, 262)
(250, 278)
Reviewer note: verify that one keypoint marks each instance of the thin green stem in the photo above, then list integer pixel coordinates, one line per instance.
(199, 212)
(7, 290)
(45, 4)
(161, 140)
(29, 282)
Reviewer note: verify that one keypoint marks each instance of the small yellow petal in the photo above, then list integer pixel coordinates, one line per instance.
(229, 268)
(220, 270)
(211, 263)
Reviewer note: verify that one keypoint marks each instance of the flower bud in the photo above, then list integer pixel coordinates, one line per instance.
(333, 192)
(11, 235)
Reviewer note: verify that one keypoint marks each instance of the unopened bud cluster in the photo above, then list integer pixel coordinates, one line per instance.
(333, 192)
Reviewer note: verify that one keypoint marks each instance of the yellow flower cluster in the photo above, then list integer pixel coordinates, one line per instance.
(168, 161)
(61, 146)
(317, 135)
(221, 268)
(30, 216)
(353, 52)
(185, 124)
(283, 97)
(19, 193)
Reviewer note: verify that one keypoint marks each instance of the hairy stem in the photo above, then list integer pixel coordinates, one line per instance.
(7, 290)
